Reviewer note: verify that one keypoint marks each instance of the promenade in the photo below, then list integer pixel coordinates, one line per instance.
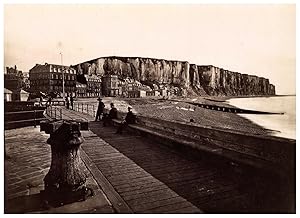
(134, 174)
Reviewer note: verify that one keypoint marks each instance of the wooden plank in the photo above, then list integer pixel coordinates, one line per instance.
(118, 182)
(137, 184)
(132, 190)
(159, 203)
(118, 203)
(179, 206)
(145, 193)
(186, 210)
(152, 197)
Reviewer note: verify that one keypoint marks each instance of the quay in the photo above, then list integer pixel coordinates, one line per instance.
(142, 172)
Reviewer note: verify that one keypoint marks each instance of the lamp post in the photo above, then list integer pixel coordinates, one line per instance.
(63, 82)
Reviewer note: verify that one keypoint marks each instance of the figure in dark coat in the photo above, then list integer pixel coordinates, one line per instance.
(129, 119)
(100, 109)
(113, 114)
(72, 101)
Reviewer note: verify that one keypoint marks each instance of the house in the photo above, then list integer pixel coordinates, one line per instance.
(7, 95)
(110, 85)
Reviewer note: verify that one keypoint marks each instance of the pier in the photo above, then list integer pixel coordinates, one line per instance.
(148, 170)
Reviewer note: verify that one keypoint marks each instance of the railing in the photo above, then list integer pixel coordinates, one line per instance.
(23, 118)
(85, 108)
(58, 113)
(54, 112)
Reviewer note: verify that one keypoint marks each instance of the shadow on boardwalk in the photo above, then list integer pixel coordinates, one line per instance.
(211, 185)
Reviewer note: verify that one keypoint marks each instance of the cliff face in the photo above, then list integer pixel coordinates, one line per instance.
(203, 80)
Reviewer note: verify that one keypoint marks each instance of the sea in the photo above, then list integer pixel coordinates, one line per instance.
(282, 125)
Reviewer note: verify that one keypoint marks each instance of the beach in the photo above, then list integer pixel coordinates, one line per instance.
(173, 110)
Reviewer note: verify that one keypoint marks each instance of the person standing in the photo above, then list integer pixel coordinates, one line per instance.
(72, 101)
(67, 102)
(100, 109)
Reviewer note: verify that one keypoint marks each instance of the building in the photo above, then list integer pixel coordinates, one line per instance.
(136, 94)
(164, 92)
(26, 83)
(93, 86)
(7, 95)
(110, 85)
(24, 95)
(48, 78)
(13, 81)
(88, 86)
(153, 93)
(80, 90)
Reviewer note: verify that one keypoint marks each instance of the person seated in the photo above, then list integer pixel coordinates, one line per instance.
(129, 119)
(113, 114)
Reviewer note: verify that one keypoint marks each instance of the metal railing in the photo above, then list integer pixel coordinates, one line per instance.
(59, 113)
(85, 108)
(54, 112)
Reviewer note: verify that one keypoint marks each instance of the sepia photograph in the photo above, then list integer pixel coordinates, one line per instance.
(152, 108)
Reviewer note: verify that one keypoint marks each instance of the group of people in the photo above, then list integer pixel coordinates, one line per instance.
(107, 118)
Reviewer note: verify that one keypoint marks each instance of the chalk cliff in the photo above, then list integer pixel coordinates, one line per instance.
(202, 80)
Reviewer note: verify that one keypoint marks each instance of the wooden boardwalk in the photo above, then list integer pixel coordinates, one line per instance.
(139, 191)
(148, 177)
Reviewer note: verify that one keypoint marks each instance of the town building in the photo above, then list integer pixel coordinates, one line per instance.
(26, 82)
(48, 78)
(93, 86)
(153, 93)
(136, 94)
(7, 95)
(110, 85)
(80, 90)
(23, 95)
(13, 81)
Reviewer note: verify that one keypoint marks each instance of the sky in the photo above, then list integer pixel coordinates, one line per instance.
(254, 39)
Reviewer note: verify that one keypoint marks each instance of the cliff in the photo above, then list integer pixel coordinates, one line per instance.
(199, 79)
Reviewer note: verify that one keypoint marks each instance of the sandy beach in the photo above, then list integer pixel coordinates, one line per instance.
(185, 112)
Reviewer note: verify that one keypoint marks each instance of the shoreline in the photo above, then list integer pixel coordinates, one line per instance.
(170, 109)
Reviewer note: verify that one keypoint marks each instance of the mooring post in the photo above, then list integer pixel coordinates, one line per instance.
(34, 118)
(65, 181)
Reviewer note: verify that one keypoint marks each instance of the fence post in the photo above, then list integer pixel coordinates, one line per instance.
(55, 114)
(34, 118)
(60, 113)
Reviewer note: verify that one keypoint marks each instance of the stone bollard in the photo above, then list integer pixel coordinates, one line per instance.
(65, 181)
